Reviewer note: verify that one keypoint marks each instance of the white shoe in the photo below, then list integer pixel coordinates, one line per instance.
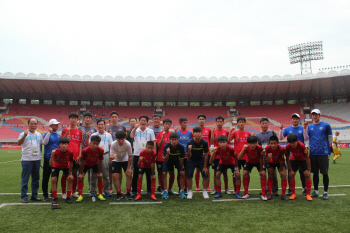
(93, 199)
(228, 192)
(246, 196)
(205, 195)
(263, 197)
(75, 195)
(189, 194)
(64, 196)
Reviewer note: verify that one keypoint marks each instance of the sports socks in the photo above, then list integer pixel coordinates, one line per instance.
(292, 186)
(316, 180)
(153, 186)
(80, 187)
(100, 186)
(197, 177)
(139, 186)
(325, 182)
(308, 184)
(54, 193)
(284, 186)
(246, 184)
(263, 186)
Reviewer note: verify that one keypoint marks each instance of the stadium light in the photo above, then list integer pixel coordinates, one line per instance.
(304, 53)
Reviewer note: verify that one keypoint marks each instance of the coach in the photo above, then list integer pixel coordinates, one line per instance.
(320, 135)
(31, 141)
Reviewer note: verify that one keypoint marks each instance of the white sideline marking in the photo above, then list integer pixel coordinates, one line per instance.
(331, 186)
(5, 204)
(336, 195)
(249, 199)
(10, 161)
(134, 203)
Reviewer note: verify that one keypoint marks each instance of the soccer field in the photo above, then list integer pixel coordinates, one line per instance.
(175, 214)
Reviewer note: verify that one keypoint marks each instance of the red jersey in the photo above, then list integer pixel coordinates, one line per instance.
(61, 160)
(90, 157)
(206, 135)
(254, 155)
(227, 157)
(218, 133)
(148, 159)
(75, 139)
(277, 155)
(240, 139)
(298, 153)
(161, 148)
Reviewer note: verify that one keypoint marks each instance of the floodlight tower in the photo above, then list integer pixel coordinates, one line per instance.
(304, 53)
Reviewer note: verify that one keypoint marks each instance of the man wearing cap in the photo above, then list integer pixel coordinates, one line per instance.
(320, 135)
(297, 129)
(50, 143)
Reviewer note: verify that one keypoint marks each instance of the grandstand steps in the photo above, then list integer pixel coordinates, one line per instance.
(41, 120)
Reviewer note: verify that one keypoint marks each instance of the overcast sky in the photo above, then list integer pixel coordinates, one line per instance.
(169, 38)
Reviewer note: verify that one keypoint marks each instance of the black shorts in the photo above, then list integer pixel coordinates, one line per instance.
(319, 163)
(298, 165)
(215, 164)
(117, 166)
(94, 169)
(185, 163)
(159, 167)
(56, 171)
(169, 166)
(241, 164)
(249, 166)
(274, 166)
(148, 171)
(76, 166)
(223, 168)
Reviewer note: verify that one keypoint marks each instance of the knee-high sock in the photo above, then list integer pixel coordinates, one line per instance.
(63, 184)
(54, 193)
(325, 182)
(316, 180)
(80, 187)
(178, 182)
(100, 187)
(269, 185)
(292, 186)
(139, 186)
(246, 184)
(263, 186)
(69, 193)
(197, 177)
(308, 184)
(75, 181)
(171, 182)
(218, 188)
(237, 187)
(153, 186)
(284, 186)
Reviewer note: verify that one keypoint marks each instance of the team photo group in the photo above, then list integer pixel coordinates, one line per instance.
(106, 155)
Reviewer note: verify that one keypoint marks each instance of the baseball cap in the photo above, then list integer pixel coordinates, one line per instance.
(53, 122)
(316, 111)
(296, 114)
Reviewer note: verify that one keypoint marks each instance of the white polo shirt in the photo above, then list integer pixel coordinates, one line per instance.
(31, 147)
(123, 152)
(106, 140)
(141, 138)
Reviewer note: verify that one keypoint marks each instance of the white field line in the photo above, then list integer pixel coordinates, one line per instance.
(135, 203)
(10, 161)
(249, 199)
(6, 204)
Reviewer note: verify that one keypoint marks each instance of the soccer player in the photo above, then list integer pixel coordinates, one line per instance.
(156, 126)
(50, 143)
(213, 140)
(75, 146)
(146, 162)
(254, 159)
(297, 129)
(298, 157)
(335, 145)
(185, 135)
(275, 159)
(105, 144)
(163, 139)
(197, 158)
(121, 153)
(61, 160)
(92, 158)
(206, 135)
(240, 139)
(173, 155)
(132, 122)
(320, 135)
(141, 135)
(228, 160)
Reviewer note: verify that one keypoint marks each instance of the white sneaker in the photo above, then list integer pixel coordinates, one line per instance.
(64, 196)
(205, 195)
(228, 192)
(93, 199)
(246, 196)
(263, 197)
(189, 194)
(75, 195)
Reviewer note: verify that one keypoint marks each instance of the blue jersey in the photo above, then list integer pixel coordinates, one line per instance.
(318, 136)
(299, 131)
(184, 138)
(51, 145)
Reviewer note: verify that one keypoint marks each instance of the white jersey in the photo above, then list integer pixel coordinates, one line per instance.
(123, 152)
(106, 140)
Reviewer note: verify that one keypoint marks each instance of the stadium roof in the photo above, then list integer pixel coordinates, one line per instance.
(97, 88)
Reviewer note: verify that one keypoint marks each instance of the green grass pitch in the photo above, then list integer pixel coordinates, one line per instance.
(175, 214)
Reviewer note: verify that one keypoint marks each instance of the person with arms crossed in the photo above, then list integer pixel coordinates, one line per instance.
(335, 146)
(320, 136)
(31, 141)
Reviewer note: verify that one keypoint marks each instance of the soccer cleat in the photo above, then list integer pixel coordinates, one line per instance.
(246, 196)
(315, 194)
(269, 196)
(218, 195)
(119, 196)
(25, 200)
(64, 196)
(172, 192)
(308, 197)
(93, 199)
(138, 197)
(276, 194)
(46, 198)
(165, 195)
(133, 194)
(35, 199)
(55, 201)
(214, 192)
(108, 194)
(80, 198)
(182, 195)
(68, 200)
(92, 195)
(111, 190)
(334, 162)
(159, 189)
(264, 197)
(289, 192)
(304, 192)
(189, 194)
(284, 197)
(238, 195)
(293, 197)
(227, 192)
(75, 195)
(197, 189)
(128, 196)
(234, 192)
(152, 197)
(205, 195)
(101, 198)
(209, 189)
(325, 196)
